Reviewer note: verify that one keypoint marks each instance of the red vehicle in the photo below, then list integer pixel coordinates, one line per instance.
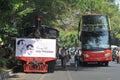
(94, 36)
(38, 53)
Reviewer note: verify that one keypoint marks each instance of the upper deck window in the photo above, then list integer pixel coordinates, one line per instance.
(94, 23)
(93, 19)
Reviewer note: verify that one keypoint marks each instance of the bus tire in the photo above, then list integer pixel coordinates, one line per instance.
(99, 63)
(106, 63)
(83, 63)
(51, 66)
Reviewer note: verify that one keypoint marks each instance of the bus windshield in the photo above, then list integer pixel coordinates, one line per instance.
(95, 40)
(95, 33)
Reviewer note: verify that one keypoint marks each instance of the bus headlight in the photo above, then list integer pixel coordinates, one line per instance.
(86, 55)
(107, 54)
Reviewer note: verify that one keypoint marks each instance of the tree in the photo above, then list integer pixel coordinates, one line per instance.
(69, 39)
(63, 15)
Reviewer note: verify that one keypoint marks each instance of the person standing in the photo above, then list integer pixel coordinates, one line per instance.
(77, 60)
(63, 57)
(118, 55)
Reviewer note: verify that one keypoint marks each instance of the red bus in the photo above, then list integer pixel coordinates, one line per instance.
(94, 36)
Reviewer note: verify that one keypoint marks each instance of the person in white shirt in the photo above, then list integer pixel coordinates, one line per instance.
(118, 55)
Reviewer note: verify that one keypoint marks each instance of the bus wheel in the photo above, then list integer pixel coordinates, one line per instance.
(51, 66)
(83, 63)
(99, 63)
(106, 63)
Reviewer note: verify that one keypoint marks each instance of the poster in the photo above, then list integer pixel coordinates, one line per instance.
(30, 47)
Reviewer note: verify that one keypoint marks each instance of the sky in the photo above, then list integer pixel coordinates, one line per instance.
(118, 3)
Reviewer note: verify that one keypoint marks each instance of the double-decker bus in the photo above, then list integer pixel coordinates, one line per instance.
(94, 36)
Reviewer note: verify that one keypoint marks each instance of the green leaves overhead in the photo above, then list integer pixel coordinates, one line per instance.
(69, 39)
(63, 15)
(25, 12)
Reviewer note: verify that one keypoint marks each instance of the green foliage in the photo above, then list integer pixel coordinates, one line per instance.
(8, 62)
(25, 12)
(69, 39)
(63, 15)
(3, 62)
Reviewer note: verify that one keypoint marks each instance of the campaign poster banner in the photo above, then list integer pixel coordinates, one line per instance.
(30, 47)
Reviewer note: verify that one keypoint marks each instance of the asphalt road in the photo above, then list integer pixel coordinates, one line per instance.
(89, 72)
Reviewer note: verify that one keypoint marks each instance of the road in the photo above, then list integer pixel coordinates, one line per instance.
(89, 72)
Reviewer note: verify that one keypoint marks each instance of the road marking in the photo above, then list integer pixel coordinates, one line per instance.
(69, 75)
(42, 77)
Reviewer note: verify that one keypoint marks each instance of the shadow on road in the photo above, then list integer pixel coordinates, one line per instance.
(71, 67)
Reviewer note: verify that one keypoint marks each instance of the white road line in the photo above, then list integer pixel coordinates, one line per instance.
(69, 75)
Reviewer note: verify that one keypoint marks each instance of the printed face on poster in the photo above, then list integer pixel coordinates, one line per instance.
(27, 47)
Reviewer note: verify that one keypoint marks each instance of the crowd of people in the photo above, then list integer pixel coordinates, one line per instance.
(116, 54)
(66, 54)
